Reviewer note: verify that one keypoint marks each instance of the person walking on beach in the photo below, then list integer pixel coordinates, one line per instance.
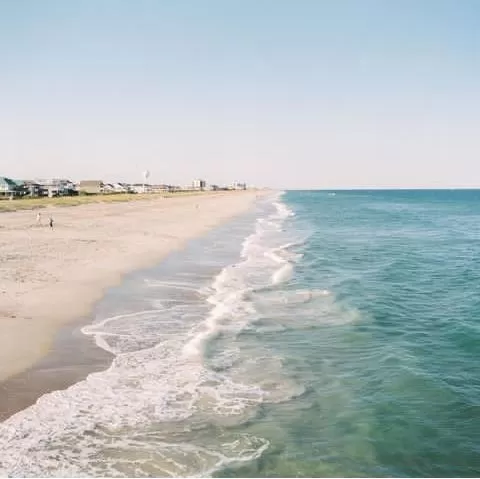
(51, 222)
(39, 218)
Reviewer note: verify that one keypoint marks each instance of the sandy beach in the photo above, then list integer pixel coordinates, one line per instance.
(49, 277)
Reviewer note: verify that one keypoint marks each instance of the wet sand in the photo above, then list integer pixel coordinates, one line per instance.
(50, 278)
(72, 357)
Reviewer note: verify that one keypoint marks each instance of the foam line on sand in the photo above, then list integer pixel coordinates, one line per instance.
(50, 276)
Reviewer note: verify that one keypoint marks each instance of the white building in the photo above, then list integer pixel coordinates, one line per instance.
(239, 186)
(199, 184)
(57, 186)
(122, 188)
(141, 188)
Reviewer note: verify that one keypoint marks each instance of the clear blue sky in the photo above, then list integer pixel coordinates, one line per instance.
(300, 94)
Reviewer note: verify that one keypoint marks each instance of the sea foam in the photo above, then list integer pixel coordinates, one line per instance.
(150, 411)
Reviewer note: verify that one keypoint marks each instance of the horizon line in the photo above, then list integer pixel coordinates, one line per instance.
(388, 188)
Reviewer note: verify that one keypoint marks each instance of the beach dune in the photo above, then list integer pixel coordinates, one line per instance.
(50, 276)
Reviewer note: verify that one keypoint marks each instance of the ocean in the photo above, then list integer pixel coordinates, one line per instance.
(321, 334)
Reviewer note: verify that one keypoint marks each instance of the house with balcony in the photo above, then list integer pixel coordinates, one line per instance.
(54, 187)
(34, 189)
(199, 184)
(239, 186)
(9, 188)
(122, 188)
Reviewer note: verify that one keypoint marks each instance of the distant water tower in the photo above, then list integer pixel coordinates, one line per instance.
(146, 175)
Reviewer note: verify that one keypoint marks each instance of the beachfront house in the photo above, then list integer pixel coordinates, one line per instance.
(140, 188)
(160, 188)
(91, 187)
(122, 188)
(115, 188)
(33, 188)
(239, 186)
(52, 187)
(108, 188)
(199, 184)
(9, 187)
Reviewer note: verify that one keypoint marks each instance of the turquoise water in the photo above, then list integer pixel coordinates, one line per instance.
(393, 377)
(322, 334)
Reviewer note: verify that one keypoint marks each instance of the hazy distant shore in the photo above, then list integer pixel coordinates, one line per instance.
(49, 277)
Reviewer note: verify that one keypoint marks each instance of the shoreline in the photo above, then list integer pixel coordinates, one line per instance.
(49, 279)
(71, 358)
(75, 355)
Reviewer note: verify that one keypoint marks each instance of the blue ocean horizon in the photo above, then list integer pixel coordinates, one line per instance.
(402, 391)
(325, 333)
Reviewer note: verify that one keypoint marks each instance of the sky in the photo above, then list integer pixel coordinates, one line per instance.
(284, 94)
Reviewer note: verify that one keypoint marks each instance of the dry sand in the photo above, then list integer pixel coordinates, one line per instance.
(48, 277)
